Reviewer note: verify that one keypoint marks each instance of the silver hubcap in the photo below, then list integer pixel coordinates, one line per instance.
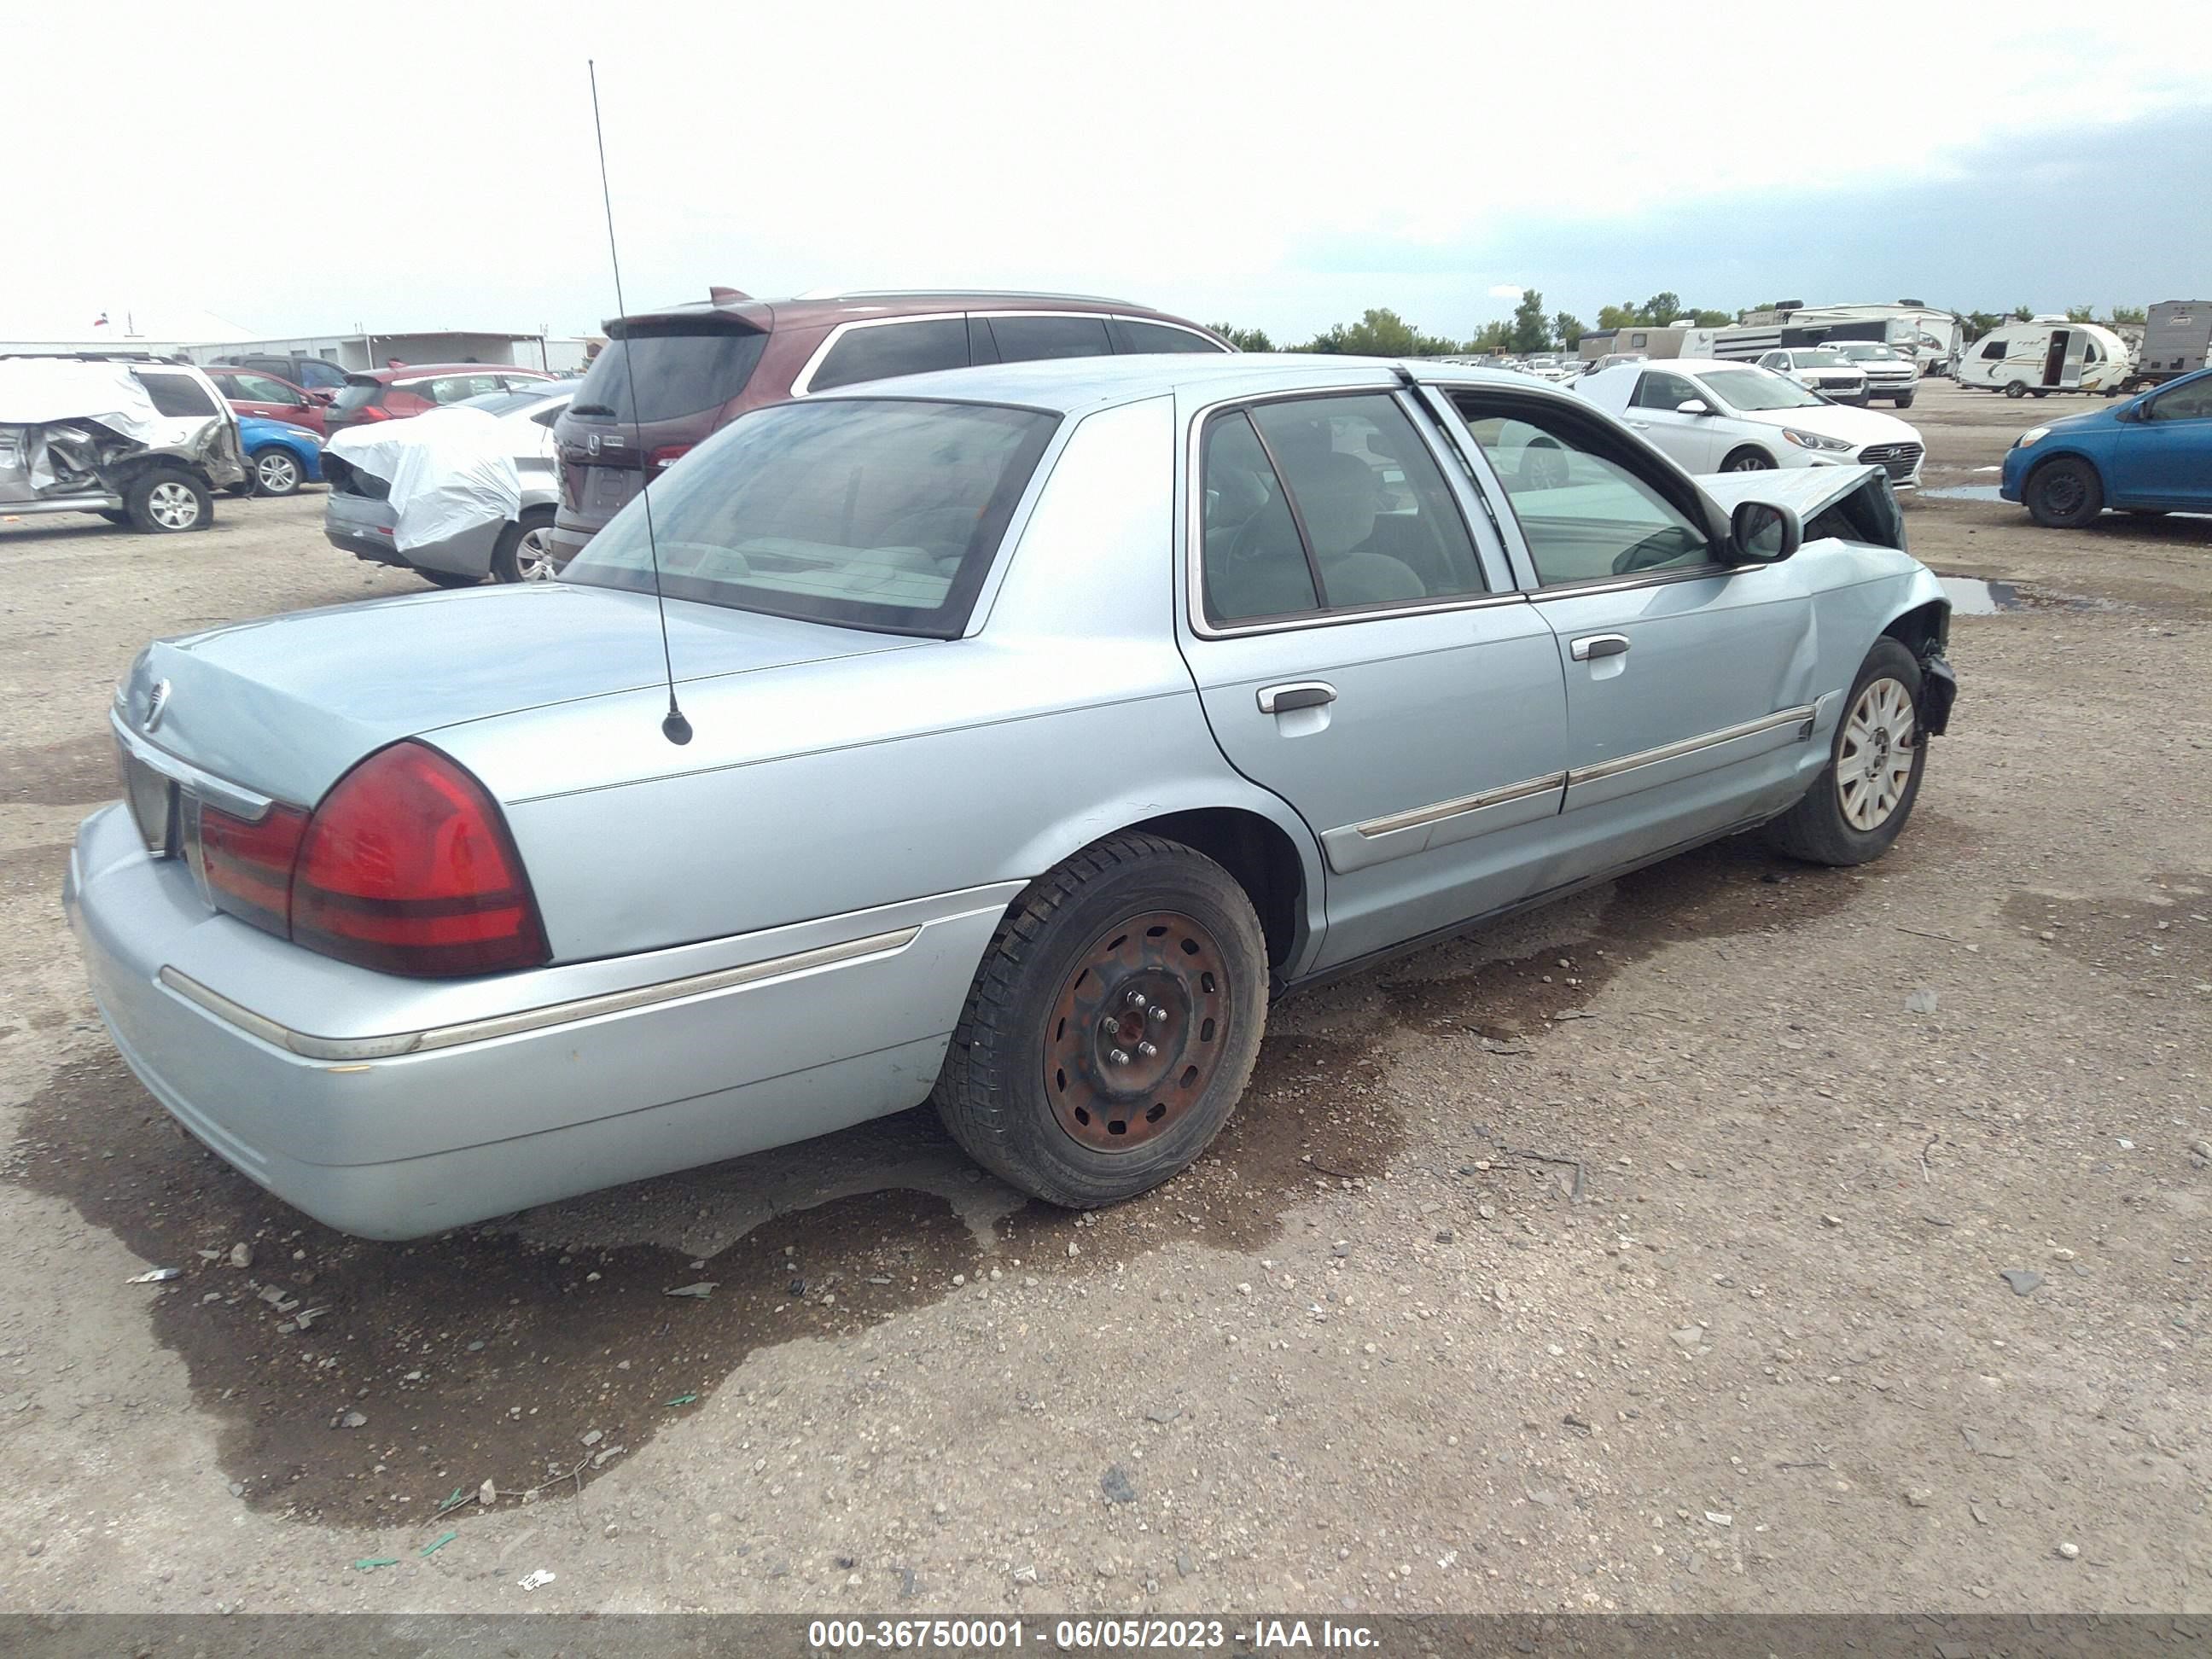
(278, 474)
(533, 558)
(1875, 762)
(172, 506)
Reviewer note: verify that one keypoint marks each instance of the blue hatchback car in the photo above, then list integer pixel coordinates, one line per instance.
(279, 456)
(2151, 454)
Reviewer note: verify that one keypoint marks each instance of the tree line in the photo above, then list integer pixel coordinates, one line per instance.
(1382, 333)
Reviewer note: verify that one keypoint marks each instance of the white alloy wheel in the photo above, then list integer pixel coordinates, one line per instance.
(172, 506)
(278, 472)
(1875, 762)
(533, 555)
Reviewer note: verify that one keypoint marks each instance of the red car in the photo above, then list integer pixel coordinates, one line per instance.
(668, 379)
(249, 392)
(392, 394)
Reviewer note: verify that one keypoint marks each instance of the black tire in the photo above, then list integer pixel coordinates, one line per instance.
(1749, 459)
(113, 515)
(162, 501)
(2064, 493)
(276, 471)
(2040, 391)
(1819, 830)
(1133, 910)
(446, 578)
(2015, 389)
(508, 558)
(2148, 512)
(1905, 402)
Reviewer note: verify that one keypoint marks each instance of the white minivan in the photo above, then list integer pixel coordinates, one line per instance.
(1710, 416)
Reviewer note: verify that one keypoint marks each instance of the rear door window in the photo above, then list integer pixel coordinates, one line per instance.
(883, 351)
(260, 389)
(1023, 339)
(1326, 504)
(1138, 338)
(174, 395)
(1661, 392)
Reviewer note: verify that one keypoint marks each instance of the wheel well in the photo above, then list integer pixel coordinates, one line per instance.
(1759, 450)
(2060, 455)
(1921, 629)
(1258, 854)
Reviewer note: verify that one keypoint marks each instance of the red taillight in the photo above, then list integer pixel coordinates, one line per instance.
(407, 866)
(372, 412)
(249, 865)
(665, 456)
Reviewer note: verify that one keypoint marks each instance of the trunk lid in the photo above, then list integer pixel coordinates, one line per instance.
(285, 705)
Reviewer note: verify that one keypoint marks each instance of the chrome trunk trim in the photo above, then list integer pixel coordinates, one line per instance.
(530, 1019)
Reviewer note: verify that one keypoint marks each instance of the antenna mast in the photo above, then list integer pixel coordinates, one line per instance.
(673, 726)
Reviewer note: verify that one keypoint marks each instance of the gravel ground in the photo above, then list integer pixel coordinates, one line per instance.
(1650, 1252)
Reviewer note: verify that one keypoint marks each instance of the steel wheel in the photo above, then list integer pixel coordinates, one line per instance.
(278, 473)
(1138, 1030)
(172, 506)
(1875, 762)
(2063, 492)
(533, 555)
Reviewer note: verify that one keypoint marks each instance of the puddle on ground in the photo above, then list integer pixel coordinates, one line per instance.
(491, 1353)
(1962, 492)
(75, 772)
(1970, 596)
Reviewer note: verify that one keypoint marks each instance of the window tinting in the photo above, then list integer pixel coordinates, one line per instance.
(872, 512)
(1254, 565)
(356, 394)
(1585, 516)
(1139, 338)
(675, 373)
(1022, 338)
(1661, 392)
(320, 376)
(174, 394)
(1994, 348)
(883, 351)
(260, 389)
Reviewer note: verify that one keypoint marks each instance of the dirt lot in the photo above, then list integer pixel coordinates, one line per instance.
(1645, 1253)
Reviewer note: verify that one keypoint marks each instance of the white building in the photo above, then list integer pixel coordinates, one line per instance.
(203, 337)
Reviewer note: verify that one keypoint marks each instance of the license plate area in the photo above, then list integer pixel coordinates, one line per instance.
(153, 800)
(611, 487)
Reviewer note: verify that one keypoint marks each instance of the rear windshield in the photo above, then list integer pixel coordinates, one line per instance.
(872, 513)
(356, 394)
(675, 374)
(503, 403)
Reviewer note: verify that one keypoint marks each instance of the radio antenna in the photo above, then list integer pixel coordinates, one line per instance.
(673, 726)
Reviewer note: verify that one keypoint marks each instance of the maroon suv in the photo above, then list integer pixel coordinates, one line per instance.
(392, 394)
(696, 367)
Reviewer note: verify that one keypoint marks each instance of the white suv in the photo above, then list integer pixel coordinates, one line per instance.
(139, 440)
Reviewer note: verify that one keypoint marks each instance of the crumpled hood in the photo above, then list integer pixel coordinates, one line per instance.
(286, 704)
(1809, 491)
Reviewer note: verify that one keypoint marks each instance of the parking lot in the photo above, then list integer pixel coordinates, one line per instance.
(1739, 1235)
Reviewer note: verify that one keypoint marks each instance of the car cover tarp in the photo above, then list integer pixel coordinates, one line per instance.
(450, 471)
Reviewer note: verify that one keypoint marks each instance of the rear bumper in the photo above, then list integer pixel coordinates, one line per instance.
(839, 1021)
(569, 537)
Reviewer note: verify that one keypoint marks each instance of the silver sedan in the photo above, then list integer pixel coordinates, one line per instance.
(1038, 724)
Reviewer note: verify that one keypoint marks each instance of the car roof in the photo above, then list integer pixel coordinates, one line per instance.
(1079, 385)
(815, 309)
(419, 371)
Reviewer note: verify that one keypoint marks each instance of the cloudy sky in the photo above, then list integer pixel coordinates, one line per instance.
(1284, 165)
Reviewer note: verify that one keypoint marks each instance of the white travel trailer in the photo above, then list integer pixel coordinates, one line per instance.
(2045, 356)
(1928, 337)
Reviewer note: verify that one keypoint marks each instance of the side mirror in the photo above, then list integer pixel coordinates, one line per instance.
(1763, 532)
(1693, 406)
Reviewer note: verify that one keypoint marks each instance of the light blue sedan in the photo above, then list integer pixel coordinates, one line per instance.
(1038, 724)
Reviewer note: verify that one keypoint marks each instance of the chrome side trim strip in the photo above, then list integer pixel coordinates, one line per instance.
(530, 1019)
(1802, 716)
(1452, 809)
(239, 803)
